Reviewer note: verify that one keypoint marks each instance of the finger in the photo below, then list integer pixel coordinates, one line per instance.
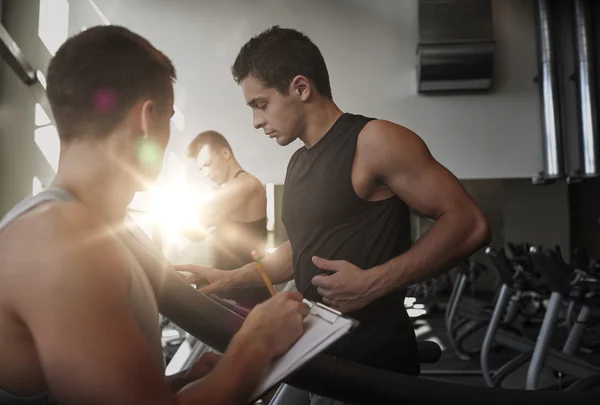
(210, 359)
(212, 288)
(293, 295)
(192, 268)
(329, 302)
(325, 293)
(329, 265)
(322, 281)
(191, 279)
(303, 309)
(185, 267)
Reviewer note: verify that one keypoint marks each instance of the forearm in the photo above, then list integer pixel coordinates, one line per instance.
(235, 377)
(277, 265)
(449, 241)
(195, 234)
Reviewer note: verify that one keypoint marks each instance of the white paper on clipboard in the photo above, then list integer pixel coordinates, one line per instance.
(325, 327)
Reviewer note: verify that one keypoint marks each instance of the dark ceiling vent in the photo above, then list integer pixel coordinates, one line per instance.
(456, 45)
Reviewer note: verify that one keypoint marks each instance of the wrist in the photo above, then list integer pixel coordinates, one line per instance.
(247, 276)
(246, 343)
(236, 277)
(376, 281)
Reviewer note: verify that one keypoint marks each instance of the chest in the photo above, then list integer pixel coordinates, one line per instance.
(323, 189)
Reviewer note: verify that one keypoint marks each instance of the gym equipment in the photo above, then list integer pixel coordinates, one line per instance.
(429, 352)
(463, 323)
(512, 283)
(558, 275)
(335, 378)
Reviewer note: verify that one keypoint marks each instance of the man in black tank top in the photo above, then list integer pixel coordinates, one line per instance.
(236, 213)
(348, 193)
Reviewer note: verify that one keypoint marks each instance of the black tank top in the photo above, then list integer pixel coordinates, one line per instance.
(323, 216)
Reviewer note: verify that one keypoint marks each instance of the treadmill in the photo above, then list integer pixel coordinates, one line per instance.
(215, 324)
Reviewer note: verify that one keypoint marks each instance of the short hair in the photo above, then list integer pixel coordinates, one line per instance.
(277, 55)
(211, 138)
(97, 75)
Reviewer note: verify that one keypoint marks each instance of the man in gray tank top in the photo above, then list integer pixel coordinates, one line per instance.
(78, 313)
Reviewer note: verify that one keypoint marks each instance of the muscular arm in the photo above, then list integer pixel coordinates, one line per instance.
(229, 198)
(278, 265)
(401, 160)
(223, 202)
(88, 342)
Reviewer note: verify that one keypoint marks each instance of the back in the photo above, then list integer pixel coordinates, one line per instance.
(20, 368)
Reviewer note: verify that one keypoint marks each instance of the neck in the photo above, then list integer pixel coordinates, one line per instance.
(93, 177)
(234, 168)
(321, 116)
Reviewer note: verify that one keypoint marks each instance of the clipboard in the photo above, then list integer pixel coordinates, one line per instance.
(325, 327)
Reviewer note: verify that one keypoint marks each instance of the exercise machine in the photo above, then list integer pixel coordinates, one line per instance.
(462, 322)
(429, 353)
(562, 361)
(565, 284)
(331, 377)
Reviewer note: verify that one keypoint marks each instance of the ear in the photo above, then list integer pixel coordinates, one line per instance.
(225, 153)
(147, 117)
(301, 87)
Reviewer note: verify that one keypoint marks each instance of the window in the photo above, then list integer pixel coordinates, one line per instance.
(53, 23)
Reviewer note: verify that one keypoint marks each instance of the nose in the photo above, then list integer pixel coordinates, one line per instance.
(258, 120)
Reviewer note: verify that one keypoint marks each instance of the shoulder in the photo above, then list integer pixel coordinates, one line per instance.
(382, 134)
(295, 156)
(248, 183)
(381, 141)
(60, 244)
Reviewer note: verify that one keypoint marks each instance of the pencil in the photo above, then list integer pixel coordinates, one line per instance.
(263, 273)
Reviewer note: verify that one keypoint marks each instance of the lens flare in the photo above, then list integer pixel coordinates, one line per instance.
(104, 101)
(150, 154)
(176, 208)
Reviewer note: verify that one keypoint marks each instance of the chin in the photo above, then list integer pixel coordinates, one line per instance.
(284, 141)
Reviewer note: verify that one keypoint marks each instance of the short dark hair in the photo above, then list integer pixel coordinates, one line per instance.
(97, 75)
(211, 138)
(277, 55)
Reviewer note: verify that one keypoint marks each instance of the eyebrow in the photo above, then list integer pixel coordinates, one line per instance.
(254, 100)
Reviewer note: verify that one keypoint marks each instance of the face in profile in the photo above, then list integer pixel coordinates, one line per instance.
(276, 114)
(214, 163)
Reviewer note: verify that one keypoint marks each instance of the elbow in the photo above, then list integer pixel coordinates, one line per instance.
(481, 231)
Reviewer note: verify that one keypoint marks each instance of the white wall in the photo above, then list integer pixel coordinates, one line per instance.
(369, 47)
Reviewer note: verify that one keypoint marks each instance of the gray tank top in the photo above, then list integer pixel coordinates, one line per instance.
(141, 295)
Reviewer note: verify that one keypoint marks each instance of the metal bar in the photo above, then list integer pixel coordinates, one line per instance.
(543, 341)
(556, 360)
(554, 166)
(462, 282)
(12, 54)
(586, 87)
(490, 333)
(576, 333)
